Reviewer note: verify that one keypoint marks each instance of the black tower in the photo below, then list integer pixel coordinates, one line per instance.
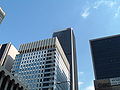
(106, 57)
(67, 41)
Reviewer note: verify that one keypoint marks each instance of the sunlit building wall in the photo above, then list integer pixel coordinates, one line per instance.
(7, 55)
(42, 65)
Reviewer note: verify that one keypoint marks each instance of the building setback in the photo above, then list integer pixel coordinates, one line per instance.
(106, 59)
(7, 55)
(9, 82)
(67, 40)
(107, 84)
(42, 65)
(2, 14)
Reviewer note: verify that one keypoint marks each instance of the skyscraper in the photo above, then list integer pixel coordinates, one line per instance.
(7, 55)
(2, 14)
(106, 61)
(106, 58)
(67, 40)
(42, 65)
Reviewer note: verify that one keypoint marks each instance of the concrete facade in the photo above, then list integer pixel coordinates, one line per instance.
(7, 55)
(9, 82)
(42, 65)
(107, 84)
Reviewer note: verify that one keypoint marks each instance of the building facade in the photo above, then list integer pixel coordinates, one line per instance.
(42, 65)
(9, 82)
(67, 40)
(2, 14)
(7, 55)
(107, 84)
(106, 58)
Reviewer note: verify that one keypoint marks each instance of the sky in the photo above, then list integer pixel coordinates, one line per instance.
(32, 20)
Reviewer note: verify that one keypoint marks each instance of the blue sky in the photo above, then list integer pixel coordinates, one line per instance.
(31, 20)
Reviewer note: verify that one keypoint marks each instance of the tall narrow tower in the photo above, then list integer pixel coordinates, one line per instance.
(67, 40)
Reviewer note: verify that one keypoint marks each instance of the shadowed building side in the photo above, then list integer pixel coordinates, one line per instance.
(106, 61)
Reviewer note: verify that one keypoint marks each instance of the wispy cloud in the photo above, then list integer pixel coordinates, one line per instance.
(80, 83)
(117, 13)
(80, 73)
(109, 3)
(85, 13)
(91, 87)
(99, 3)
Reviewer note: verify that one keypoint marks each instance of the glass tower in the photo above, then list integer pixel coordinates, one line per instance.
(67, 40)
(106, 57)
(42, 65)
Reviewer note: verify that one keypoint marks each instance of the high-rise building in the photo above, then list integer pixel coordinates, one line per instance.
(7, 55)
(42, 65)
(67, 40)
(106, 60)
(107, 84)
(2, 14)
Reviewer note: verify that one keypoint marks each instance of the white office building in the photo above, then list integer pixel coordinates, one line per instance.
(7, 55)
(42, 65)
(2, 14)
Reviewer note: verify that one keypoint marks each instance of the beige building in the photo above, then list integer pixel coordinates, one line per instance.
(7, 55)
(42, 65)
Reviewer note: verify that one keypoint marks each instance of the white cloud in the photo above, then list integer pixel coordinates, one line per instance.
(90, 88)
(80, 83)
(117, 12)
(85, 13)
(112, 4)
(99, 3)
(80, 73)
(109, 3)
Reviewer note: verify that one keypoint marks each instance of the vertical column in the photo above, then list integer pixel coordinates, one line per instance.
(7, 82)
(16, 86)
(1, 80)
(4, 83)
(12, 84)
